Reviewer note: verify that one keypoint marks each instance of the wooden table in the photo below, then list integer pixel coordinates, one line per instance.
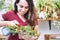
(47, 19)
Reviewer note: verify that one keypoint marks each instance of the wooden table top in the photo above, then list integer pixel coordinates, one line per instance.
(48, 19)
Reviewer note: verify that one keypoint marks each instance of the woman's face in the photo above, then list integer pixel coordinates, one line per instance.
(22, 7)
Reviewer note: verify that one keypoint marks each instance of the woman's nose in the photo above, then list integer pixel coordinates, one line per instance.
(23, 9)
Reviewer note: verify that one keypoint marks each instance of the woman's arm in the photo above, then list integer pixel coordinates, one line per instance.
(1, 17)
(2, 23)
(5, 23)
(36, 27)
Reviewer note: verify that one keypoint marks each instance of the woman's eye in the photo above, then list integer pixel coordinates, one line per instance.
(21, 6)
(26, 7)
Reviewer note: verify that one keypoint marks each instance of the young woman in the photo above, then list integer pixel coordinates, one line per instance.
(23, 14)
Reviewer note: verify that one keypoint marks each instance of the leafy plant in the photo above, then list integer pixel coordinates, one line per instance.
(23, 30)
(28, 30)
(13, 30)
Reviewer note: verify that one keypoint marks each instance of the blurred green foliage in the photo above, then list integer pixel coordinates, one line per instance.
(27, 30)
(1, 3)
(23, 30)
(57, 4)
(49, 3)
(6, 6)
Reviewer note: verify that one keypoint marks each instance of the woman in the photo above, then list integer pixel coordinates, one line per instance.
(23, 14)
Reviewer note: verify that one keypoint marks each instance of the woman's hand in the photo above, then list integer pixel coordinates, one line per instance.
(13, 23)
(7, 23)
(36, 27)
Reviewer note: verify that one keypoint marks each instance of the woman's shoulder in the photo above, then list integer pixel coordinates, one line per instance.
(10, 11)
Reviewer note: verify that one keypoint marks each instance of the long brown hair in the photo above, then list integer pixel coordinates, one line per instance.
(33, 18)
